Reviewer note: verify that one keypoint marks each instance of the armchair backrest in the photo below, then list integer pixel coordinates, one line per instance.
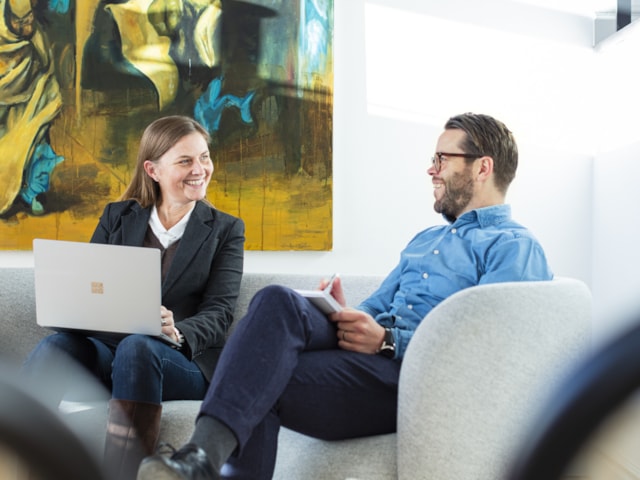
(476, 369)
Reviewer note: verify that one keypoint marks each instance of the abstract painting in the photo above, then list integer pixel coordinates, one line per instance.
(79, 81)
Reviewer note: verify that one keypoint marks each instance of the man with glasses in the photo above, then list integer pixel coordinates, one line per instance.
(336, 376)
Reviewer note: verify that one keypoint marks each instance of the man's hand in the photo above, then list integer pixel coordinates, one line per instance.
(357, 331)
(336, 290)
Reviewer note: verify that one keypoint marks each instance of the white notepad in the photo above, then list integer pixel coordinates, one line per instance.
(100, 289)
(321, 299)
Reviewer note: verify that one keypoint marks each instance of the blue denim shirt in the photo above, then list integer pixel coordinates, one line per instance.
(482, 246)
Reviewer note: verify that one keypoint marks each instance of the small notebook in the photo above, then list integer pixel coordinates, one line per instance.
(97, 289)
(321, 299)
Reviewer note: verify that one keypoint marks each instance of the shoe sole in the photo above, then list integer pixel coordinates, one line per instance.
(156, 470)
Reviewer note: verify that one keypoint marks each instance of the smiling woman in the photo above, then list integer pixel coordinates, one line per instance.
(201, 262)
(182, 173)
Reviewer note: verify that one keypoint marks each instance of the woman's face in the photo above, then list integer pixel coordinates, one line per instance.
(184, 171)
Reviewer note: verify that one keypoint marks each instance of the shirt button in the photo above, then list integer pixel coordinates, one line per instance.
(436, 252)
(454, 230)
(425, 275)
(410, 307)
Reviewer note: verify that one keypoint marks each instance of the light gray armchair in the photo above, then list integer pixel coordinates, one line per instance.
(473, 375)
(476, 371)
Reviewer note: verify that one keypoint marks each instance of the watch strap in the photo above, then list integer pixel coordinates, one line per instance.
(388, 346)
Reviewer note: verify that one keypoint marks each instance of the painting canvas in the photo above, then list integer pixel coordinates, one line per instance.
(79, 81)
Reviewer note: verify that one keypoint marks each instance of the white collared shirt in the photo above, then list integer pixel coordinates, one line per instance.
(167, 237)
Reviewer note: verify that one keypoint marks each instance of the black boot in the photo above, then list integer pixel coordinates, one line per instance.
(188, 463)
(132, 434)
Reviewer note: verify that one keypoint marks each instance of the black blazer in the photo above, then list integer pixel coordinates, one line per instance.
(203, 282)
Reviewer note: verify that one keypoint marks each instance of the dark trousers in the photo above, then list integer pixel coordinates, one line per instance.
(282, 366)
(137, 368)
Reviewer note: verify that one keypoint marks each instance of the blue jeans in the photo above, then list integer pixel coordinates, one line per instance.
(138, 367)
(282, 366)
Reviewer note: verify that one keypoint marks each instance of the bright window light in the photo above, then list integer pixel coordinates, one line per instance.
(423, 68)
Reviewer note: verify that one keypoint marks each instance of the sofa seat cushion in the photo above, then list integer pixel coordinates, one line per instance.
(299, 456)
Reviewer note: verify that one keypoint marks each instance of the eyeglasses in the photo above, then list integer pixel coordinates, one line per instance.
(436, 160)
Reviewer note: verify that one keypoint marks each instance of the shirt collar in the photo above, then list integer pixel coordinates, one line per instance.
(485, 216)
(167, 237)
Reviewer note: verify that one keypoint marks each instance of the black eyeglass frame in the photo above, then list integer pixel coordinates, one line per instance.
(436, 160)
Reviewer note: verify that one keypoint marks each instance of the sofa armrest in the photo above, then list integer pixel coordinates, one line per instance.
(476, 369)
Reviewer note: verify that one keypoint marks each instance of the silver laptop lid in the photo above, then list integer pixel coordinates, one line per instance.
(97, 288)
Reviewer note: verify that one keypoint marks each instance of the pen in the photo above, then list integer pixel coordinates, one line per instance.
(329, 286)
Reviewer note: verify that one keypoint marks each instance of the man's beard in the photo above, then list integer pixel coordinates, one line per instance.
(458, 194)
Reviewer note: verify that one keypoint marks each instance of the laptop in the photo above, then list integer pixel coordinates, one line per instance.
(105, 291)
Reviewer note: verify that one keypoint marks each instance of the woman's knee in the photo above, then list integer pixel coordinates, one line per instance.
(56, 352)
(61, 340)
(136, 346)
(61, 344)
(137, 354)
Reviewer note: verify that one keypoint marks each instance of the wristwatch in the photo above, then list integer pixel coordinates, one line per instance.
(388, 347)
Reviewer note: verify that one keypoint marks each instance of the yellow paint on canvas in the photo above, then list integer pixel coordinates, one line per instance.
(274, 172)
(281, 212)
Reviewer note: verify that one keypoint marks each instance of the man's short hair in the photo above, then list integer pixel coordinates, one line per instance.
(491, 137)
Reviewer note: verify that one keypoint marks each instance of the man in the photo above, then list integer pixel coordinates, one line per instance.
(287, 364)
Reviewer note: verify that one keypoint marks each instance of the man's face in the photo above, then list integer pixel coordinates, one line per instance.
(453, 185)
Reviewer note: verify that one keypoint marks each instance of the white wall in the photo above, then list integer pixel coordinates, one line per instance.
(616, 280)
(402, 67)
(616, 253)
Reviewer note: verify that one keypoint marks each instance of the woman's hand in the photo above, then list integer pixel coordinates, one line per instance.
(168, 324)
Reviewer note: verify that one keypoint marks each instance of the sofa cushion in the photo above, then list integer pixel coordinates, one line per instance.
(18, 314)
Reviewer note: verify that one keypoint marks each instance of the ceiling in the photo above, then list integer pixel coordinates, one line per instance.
(581, 7)
(604, 12)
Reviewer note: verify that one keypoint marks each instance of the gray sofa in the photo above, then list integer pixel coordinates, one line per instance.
(473, 376)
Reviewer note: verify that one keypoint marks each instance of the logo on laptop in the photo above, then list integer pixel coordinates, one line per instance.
(97, 287)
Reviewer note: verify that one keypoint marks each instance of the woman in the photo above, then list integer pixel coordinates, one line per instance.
(202, 249)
